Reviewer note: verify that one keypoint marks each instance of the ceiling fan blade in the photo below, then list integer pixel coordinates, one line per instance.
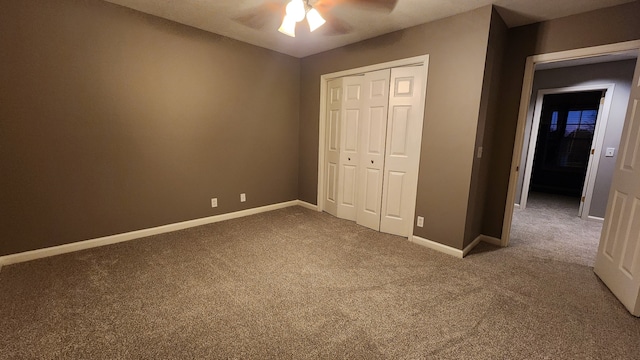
(258, 17)
(382, 5)
(385, 5)
(334, 26)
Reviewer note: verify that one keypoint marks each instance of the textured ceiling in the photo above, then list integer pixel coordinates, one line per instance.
(217, 16)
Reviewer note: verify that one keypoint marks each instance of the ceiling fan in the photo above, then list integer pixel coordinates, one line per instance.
(316, 12)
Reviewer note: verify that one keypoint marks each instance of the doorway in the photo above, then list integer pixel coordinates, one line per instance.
(618, 251)
(566, 140)
(565, 136)
(561, 153)
(570, 128)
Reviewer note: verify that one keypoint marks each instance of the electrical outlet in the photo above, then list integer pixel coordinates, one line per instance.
(420, 221)
(480, 152)
(243, 197)
(214, 202)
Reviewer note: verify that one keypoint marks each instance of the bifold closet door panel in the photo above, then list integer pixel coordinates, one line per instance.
(373, 132)
(349, 147)
(332, 145)
(402, 154)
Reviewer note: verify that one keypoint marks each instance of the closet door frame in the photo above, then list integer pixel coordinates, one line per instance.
(324, 80)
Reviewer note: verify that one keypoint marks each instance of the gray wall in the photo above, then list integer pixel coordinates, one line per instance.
(619, 73)
(457, 48)
(113, 121)
(606, 26)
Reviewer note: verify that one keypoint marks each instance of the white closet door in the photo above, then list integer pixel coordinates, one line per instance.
(332, 146)
(373, 133)
(349, 147)
(402, 158)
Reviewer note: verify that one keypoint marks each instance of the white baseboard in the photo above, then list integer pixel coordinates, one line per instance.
(491, 240)
(437, 246)
(114, 239)
(470, 247)
(595, 218)
(453, 251)
(516, 206)
(307, 205)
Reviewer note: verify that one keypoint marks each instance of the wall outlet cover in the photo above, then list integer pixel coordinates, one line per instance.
(610, 152)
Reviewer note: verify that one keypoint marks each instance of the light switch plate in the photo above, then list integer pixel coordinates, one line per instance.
(610, 152)
(420, 222)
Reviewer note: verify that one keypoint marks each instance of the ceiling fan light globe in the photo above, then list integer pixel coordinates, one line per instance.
(288, 26)
(314, 19)
(295, 10)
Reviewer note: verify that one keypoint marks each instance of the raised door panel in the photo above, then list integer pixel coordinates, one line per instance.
(348, 181)
(371, 201)
(399, 127)
(395, 188)
(332, 182)
(375, 131)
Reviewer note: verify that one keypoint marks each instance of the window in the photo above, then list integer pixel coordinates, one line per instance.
(578, 135)
(554, 122)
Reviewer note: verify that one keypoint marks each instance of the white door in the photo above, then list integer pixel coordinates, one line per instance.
(618, 259)
(404, 134)
(332, 146)
(373, 134)
(349, 147)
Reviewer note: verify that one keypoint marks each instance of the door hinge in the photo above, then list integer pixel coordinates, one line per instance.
(582, 199)
(593, 151)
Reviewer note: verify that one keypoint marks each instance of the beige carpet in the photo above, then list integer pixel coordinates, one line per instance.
(297, 284)
(550, 227)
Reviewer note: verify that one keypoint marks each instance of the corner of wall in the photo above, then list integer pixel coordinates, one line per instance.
(299, 111)
(480, 181)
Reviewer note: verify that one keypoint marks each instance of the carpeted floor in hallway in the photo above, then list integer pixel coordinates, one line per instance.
(550, 227)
